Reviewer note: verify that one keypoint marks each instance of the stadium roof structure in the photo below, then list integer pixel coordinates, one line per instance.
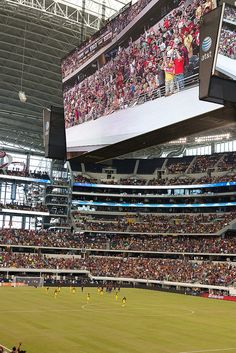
(34, 36)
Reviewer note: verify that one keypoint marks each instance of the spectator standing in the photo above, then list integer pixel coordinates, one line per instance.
(169, 70)
(188, 42)
(179, 70)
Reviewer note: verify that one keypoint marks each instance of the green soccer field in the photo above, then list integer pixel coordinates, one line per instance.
(151, 322)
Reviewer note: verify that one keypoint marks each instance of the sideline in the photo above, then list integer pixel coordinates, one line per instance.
(211, 350)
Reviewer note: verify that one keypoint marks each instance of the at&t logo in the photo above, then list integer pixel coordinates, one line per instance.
(206, 44)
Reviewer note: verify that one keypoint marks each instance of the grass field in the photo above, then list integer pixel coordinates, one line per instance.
(151, 322)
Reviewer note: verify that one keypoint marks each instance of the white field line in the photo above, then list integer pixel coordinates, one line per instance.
(6, 349)
(211, 350)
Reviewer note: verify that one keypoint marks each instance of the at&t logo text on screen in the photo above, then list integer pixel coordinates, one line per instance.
(206, 46)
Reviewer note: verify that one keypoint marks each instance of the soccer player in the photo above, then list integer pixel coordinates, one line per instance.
(47, 289)
(116, 296)
(73, 290)
(88, 297)
(55, 293)
(123, 301)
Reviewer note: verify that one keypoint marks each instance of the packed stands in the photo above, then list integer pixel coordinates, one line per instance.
(113, 241)
(157, 224)
(186, 170)
(177, 166)
(205, 272)
(38, 238)
(141, 243)
(202, 163)
(37, 174)
(178, 180)
(24, 207)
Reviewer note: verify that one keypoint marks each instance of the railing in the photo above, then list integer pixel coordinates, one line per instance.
(163, 283)
(186, 83)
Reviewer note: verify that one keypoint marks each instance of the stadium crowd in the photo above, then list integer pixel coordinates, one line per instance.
(180, 171)
(166, 53)
(202, 163)
(38, 238)
(205, 272)
(38, 174)
(113, 241)
(24, 207)
(177, 180)
(180, 224)
(184, 244)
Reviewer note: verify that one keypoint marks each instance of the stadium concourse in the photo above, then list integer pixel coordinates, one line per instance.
(161, 218)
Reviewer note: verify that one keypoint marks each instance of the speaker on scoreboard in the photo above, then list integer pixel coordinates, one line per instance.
(54, 133)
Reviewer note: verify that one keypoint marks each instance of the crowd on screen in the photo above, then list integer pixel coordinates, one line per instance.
(230, 14)
(158, 224)
(116, 25)
(228, 42)
(163, 55)
(205, 272)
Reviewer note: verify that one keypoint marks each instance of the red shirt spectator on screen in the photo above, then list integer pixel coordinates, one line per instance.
(179, 64)
(179, 70)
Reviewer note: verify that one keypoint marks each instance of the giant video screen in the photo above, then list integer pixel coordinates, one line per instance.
(106, 97)
(226, 54)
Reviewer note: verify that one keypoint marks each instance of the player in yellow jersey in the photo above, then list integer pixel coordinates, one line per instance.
(116, 296)
(124, 301)
(101, 291)
(55, 293)
(73, 290)
(98, 290)
(88, 297)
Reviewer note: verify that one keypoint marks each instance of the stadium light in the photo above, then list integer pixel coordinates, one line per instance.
(22, 96)
(212, 138)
